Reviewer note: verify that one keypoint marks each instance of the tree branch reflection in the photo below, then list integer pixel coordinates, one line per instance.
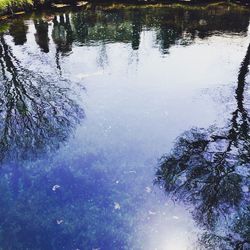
(37, 112)
(208, 169)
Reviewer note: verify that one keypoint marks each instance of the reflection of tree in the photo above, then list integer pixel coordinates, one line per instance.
(82, 22)
(62, 33)
(18, 31)
(41, 35)
(208, 169)
(102, 60)
(36, 111)
(168, 36)
(173, 25)
(136, 29)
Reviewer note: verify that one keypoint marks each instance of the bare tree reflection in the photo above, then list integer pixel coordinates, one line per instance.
(36, 111)
(209, 169)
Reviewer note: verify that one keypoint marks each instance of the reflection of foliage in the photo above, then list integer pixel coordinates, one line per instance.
(168, 36)
(209, 169)
(63, 36)
(18, 30)
(101, 27)
(62, 33)
(36, 112)
(41, 35)
(173, 25)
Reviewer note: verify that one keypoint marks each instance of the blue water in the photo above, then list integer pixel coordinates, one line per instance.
(90, 102)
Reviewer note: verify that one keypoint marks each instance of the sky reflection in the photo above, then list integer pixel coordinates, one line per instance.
(142, 78)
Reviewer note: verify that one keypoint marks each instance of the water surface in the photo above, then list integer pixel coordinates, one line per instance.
(92, 99)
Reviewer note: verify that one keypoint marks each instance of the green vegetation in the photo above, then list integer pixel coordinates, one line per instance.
(9, 5)
(13, 6)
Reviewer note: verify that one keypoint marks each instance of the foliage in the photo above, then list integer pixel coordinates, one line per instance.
(14, 4)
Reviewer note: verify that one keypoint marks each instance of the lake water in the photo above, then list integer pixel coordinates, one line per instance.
(125, 127)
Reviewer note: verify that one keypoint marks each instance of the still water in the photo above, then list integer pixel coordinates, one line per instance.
(125, 127)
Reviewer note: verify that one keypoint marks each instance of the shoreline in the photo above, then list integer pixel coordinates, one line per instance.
(15, 11)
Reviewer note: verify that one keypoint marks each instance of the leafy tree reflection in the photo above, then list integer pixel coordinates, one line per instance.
(63, 37)
(18, 30)
(136, 29)
(208, 169)
(36, 111)
(62, 33)
(41, 35)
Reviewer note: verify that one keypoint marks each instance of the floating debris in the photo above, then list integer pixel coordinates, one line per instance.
(175, 217)
(117, 205)
(130, 172)
(60, 5)
(151, 212)
(148, 189)
(55, 187)
(202, 22)
(59, 222)
(80, 4)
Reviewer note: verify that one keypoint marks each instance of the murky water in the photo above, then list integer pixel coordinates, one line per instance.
(125, 127)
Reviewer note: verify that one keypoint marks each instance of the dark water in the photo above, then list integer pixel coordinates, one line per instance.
(125, 127)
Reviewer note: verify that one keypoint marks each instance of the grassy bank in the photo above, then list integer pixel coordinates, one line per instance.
(14, 5)
(10, 7)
